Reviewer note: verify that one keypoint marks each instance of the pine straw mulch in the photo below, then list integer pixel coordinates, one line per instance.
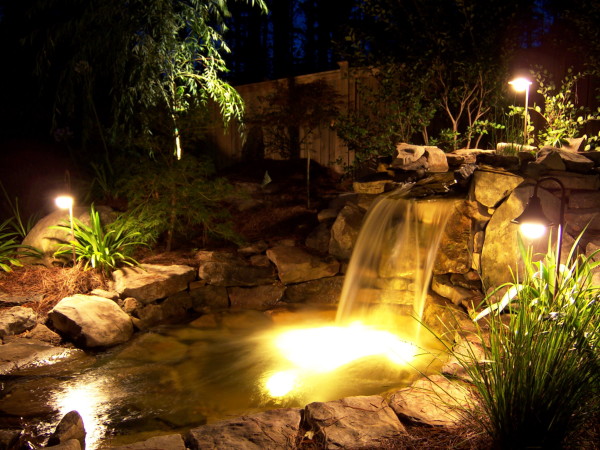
(52, 284)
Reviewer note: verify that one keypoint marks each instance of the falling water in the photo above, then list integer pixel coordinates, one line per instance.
(391, 266)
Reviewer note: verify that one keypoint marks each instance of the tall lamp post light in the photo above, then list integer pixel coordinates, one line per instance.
(522, 85)
(533, 223)
(66, 202)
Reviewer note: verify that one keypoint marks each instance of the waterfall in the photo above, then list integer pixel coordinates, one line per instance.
(392, 262)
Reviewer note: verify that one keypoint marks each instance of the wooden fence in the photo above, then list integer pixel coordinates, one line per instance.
(323, 144)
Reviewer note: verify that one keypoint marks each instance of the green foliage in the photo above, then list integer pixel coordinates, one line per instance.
(9, 247)
(170, 196)
(393, 107)
(102, 248)
(562, 117)
(166, 55)
(16, 221)
(540, 375)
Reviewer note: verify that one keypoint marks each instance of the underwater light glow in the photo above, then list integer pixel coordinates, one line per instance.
(327, 348)
(281, 383)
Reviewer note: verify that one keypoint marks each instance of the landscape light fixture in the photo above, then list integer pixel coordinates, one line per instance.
(66, 202)
(533, 222)
(522, 85)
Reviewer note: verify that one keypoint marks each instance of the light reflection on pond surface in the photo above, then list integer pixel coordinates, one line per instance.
(176, 378)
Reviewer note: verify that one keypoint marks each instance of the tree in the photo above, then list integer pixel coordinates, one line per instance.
(114, 63)
(462, 46)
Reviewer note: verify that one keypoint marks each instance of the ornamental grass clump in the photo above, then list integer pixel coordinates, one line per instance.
(539, 380)
(104, 250)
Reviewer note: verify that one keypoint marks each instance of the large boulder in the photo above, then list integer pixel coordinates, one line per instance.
(91, 321)
(269, 430)
(295, 265)
(321, 291)
(490, 188)
(16, 320)
(151, 282)
(353, 422)
(47, 239)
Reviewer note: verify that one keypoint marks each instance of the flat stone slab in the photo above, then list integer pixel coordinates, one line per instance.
(23, 353)
(433, 400)
(274, 429)
(151, 282)
(353, 422)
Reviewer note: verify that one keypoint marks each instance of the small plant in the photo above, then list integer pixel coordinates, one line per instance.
(8, 248)
(16, 222)
(539, 379)
(562, 117)
(104, 250)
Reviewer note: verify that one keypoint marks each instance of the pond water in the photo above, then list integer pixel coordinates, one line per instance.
(174, 378)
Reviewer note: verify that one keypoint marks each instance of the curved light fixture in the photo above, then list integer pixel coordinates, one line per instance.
(66, 202)
(534, 223)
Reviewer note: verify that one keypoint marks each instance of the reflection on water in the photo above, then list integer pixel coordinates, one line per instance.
(177, 378)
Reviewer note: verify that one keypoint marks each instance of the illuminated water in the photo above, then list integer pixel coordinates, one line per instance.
(392, 262)
(176, 378)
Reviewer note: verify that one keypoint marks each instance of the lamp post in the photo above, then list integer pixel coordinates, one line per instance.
(522, 84)
(533, 222)
(66, 202)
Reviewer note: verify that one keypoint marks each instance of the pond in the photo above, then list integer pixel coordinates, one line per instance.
(222, 365)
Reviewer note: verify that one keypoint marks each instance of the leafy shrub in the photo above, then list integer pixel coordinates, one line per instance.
(170, 196)
(540, 378)
(104, 250)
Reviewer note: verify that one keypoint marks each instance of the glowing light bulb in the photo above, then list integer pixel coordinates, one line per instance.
(282, 383)
(532, 230)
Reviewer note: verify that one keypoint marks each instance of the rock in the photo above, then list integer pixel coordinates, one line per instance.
(327, 215)
(91, 321)
(573, 144)
(453, 252)
(344, 231)
(577, 181)
(433, 184)
(442, 317)
(269, 430)
(371, 186)
(16, 320)
(466, 351)
(155, 348)
(43, 334)
(23, 353)
(254, 248)
(70, 427)
(9, 439)
(491, 188)
(177, 306)
(71, 444)
(257, 297)
(149, 315)
(131, 306)
(111, 295)
(495, 161)
(318, 239)
(167, 442)
(47, 239)
(550, 159)
(433, 400)
(583, 200)
(16, 300)
(209, 296)
(436, 160)
(458, 295)
(260, 261)
(323, 291)
(592, 250)
(295, 265)
(353, 422)
(221, 269)
(407, 153)
(151, 282)
(470, 154)
(570, 161)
